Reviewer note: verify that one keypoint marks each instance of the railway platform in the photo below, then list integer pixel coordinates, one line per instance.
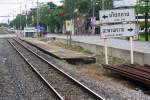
(61, 53)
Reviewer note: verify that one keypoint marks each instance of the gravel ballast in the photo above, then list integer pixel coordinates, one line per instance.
(17, 80)
(108, 89)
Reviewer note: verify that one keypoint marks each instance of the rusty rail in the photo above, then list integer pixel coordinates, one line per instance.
(135, 72)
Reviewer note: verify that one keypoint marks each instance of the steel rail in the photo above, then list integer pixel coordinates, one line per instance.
(134, 71)
(97, 96)
(141, 68)
(37, 72)
(128, 74)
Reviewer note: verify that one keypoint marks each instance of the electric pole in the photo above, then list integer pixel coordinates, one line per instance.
(37, 21)
(20, 18)
(146, 19)
(26, 15)
(103, 4)
(93, 7)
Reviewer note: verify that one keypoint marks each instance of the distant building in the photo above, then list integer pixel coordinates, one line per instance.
(29, 32)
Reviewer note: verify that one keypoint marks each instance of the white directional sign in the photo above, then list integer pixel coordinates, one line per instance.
(118, 30)
(115, 16)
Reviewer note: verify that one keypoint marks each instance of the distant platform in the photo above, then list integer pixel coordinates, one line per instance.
(5, 34)
(61, 53)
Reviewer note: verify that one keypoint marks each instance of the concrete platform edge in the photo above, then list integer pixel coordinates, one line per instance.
(139, 57)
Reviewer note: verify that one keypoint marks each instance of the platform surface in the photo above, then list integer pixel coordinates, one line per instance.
(138, 46)
(57, 51)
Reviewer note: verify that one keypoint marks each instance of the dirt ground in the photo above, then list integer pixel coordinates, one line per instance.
(96, 71)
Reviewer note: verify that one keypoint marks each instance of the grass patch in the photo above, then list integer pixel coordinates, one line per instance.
(99, 58)
(73, 47)
(142, 37)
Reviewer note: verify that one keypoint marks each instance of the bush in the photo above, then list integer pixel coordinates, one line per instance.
(142, 24)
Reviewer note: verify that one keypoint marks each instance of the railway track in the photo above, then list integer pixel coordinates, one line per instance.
(63, 85)
(56, 94)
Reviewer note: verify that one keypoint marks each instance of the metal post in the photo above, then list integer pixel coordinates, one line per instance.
(131, 52)
(37, 23)
(20, 16)
(71, 32)
(70, 39)
(73, 24)
(103, 6)
(13, 20)
(26, 15)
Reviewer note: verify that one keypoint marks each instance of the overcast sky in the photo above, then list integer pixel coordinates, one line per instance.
(12, 7)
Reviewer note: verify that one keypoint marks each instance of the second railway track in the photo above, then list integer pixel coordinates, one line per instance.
(65, 86)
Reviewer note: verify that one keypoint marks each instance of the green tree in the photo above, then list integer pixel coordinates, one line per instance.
(52, 16)
(140, 7)
(143, 7)
(69, 7)
(18, 22)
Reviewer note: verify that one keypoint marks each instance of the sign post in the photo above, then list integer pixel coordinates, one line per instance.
(106, 50)
(68, 30)
(118, 23)
(131, 50)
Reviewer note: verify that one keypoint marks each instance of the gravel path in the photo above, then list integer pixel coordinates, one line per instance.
(17, 80)
(108, 89)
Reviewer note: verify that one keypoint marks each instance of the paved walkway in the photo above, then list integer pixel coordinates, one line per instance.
(139, 46)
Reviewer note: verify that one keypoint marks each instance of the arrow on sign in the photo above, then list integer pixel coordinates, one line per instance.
(104, 16)
(131, 29)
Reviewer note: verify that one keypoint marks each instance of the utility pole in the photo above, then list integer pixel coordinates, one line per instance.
(20, 17)
(13, 20)
(103, 4)
(26, 15)
(37, 21)
(146, 20)
(93, 15)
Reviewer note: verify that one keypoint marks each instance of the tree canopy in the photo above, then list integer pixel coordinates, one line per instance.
(140, 6)
(54, 16)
